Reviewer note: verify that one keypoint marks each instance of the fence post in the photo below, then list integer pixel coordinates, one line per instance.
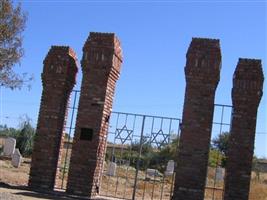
(139, 156)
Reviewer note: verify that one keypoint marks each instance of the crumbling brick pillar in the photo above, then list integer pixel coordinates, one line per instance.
(202, 73)
(58, 77)
(246, 96)
(102, 58)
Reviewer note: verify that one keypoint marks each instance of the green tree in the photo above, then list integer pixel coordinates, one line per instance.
(221, 142)
(157, 158)
(12, 24)
(216, 158)
(25, 138)
(24, 135)
(219, 149)
(8, 132)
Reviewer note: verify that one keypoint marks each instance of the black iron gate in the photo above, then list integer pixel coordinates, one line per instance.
(140, 154)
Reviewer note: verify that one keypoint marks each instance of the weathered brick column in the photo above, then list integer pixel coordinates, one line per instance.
(246, 96)
(202, 73)
(58, 79)
(102, 58)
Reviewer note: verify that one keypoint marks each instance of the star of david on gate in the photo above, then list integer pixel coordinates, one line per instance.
(120, 131)
(154, 136)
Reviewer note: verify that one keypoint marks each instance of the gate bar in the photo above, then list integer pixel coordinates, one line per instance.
(139, 156)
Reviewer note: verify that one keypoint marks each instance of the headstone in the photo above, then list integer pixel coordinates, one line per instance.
(9, 146)
(127, 163)
(16, 158)
(151, 172)
(112, 169)
(169, 168)
(219, 174)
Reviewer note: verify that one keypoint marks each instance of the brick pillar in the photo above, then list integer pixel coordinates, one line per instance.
(202, 73)
(58, 77)
(246, 96)
(102, 58)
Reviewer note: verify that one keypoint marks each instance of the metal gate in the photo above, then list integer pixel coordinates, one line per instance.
(140, 154)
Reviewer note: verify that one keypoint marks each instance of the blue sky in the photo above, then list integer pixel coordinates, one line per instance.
(155, 37)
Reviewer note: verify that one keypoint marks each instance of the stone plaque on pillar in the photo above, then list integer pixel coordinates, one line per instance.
(102, 58)
(202, 73)
(246, 96)
(58, 78)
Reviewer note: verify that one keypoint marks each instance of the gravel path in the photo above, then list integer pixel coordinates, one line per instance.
(9, 196)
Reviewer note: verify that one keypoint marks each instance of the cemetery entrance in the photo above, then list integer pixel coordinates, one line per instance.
(141, 154)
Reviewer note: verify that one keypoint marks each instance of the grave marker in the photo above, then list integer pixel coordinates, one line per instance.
(169, 168)
(16, 158)
(112, 169)
(9, 146)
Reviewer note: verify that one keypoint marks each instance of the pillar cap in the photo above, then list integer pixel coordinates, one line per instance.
(106, 40)
(204, 45)
(56, 50)
(103, 50)
(204, 59)
(248, 81)
(249, 69)
(60, 62)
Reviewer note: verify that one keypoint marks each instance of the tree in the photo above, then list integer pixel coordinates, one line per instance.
(12, 24)
(219, 149)
(220, 143)
(216, 158)
(8, 132)
(24, 135)
(25, 138)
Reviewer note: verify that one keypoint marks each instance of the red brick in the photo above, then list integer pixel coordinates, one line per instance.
(102, 58)
(58, 77)
(202, 73)
(246, 96)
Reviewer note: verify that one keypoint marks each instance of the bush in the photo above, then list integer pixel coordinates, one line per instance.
(216, 158)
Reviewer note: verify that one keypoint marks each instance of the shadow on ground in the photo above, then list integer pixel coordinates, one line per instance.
(24, 191)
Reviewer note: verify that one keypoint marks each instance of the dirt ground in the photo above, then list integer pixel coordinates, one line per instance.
(22, 193)
(13, 185)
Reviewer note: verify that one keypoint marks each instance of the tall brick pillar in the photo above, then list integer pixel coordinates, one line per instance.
(246, 96)
(58, 77)
(102, 58)
(202, 73)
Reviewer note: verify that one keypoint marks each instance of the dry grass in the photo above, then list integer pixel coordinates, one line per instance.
(147, 188)
(12, 175)
(258, 191)
(258, 187)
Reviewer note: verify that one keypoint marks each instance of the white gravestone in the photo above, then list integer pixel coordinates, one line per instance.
(170, 168)
(9, 146)
(152, 172)
(112, 169)
(219, 174)
(16, 158)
